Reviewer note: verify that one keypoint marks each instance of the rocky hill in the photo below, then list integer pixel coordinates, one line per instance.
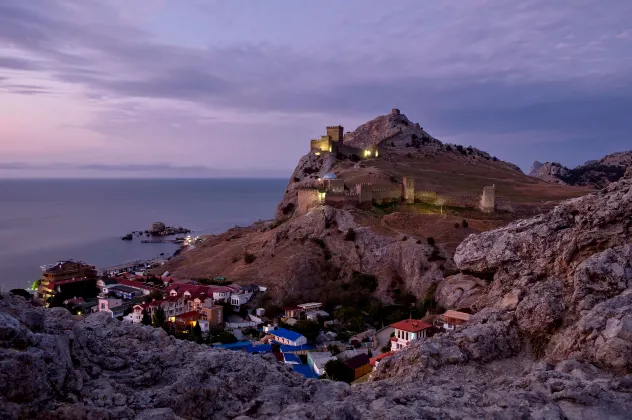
(302, 256)
(595, 173)
(551, 339)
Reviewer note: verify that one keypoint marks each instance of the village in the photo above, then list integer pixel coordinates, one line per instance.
(335, 343)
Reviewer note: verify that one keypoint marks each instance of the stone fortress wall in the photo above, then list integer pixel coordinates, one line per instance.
(334, 192)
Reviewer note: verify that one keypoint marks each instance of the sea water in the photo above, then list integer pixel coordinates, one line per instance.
(44, 221)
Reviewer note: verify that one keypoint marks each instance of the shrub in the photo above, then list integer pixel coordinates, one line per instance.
(296, 179)
(21, 292)
(465, 223)
(249, 258)
(431, 241)
(456, 225)
(448, 148)
(385, 349)
(319, 242)
(350, 235)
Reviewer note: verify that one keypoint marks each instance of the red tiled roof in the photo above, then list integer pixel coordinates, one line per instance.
(135, 284)
(187, 314)
(380, 357)
(60, 282)
(411, 325)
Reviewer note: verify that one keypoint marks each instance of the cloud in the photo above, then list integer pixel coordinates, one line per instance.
(476, 68)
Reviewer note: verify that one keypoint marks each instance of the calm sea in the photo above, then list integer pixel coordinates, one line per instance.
(43, 221)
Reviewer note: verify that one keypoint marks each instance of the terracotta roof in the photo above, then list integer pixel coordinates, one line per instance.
(187, 314)
(411, 325)
(60, 282)
(380, 357)
(457, 315)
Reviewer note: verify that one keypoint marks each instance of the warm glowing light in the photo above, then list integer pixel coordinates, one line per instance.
(376, 153)
(329, 149)
(317, 153)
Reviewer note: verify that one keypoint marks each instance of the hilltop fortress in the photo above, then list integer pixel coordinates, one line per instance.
(331, 190)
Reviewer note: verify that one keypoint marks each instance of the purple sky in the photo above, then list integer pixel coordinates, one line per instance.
(220, 88)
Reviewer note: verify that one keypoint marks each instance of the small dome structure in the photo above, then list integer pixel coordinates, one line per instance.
(330, 176)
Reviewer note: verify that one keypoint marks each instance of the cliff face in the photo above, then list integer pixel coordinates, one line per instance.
(595, 173)
(550, 172)
(301, 256)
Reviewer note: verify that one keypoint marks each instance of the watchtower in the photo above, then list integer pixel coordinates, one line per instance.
(365, 193)
(488, 200)
(335, 132)
(395, 111)
(408, 193)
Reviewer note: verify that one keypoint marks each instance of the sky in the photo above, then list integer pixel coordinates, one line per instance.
(160, 88)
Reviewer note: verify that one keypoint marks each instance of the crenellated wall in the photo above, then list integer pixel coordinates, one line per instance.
(386, 195)
(321, 145)
(365, 193)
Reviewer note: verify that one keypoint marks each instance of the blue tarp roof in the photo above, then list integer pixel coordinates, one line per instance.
(259, 348)
(289, 349)
(292, 358)
(287, 334)
(304, 370)
(234, 346)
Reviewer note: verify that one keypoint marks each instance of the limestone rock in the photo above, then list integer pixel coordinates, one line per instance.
(65, 373)
(459, 291)
(157, 228)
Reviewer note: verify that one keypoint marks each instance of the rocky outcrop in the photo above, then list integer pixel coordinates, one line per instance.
(459, 291)
(61, 368)
(596, 173)
(565, 276)
(550, 172)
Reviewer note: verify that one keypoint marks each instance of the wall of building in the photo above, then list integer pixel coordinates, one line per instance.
(335, 185)
(321, 145)
(308, 199)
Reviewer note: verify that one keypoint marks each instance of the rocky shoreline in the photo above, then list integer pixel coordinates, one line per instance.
(157, 229)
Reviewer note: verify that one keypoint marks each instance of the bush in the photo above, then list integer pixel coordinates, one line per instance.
(249, 258)
(337, 370)
(350, 235)
(456, 225)
(431, 241)
(385, 349)
(465, 223)
(225, 338)
(296, 179)
(21, 292)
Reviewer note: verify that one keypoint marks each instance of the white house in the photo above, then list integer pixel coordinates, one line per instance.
(105, 304)
(407, 331)
(317, 361)
(238, 299)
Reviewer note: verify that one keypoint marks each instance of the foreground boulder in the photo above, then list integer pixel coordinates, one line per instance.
(104, 369)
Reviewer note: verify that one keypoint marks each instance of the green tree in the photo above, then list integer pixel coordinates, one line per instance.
(159, 318)
(196, 333)
(334, 350)
(336, 370)
(154, 295)
(309, 329)
(146, 320)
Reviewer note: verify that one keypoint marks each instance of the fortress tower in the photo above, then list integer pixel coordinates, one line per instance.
(408, 193)
(365, 193)
(335, 133)
(488, 200)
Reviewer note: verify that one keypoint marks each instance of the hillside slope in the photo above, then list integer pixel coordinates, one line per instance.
(595, 173)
